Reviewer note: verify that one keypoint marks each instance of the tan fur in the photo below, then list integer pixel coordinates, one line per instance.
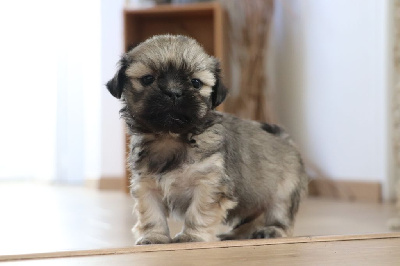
(137, 70)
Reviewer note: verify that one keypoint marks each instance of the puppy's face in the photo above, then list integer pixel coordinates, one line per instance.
(168, 84)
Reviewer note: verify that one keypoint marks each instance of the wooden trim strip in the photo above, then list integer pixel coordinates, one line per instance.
(172, 9)
(358, 191)
(112, 183)
(193, 246)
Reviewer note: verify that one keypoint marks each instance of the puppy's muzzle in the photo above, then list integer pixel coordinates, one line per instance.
(173, 93)
(171, 88)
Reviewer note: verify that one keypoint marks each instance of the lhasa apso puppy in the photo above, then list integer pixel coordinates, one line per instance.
(201, 165)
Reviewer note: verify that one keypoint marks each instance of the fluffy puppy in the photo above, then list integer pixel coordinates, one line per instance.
(198, 164)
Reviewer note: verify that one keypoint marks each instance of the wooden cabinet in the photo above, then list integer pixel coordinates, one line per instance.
(203, 22)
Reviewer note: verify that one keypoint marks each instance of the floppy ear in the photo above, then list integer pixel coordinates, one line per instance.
(219, 91)
(117, 83)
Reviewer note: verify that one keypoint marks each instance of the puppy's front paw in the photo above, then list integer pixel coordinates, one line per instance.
(153, 239)
(183, 237)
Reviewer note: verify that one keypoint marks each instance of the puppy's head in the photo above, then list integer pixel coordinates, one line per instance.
(168, 84)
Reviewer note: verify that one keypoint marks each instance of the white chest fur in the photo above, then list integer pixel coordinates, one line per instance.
(180, 186)
(199, 171)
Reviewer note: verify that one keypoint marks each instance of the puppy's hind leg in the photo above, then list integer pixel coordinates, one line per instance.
(245, 228)
(279, 220)
(271, 231)
(259, 227)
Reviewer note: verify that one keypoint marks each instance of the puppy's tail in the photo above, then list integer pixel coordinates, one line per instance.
(279, 132)
(284, 135)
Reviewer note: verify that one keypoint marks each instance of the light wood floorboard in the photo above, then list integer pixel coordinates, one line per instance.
(357, 250)
(39, 218)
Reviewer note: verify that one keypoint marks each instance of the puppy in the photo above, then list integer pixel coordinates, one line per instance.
(201, 165)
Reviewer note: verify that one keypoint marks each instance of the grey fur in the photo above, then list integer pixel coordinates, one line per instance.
(205, 166)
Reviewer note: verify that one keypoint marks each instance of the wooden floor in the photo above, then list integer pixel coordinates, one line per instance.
(71, 220)
(383, 249)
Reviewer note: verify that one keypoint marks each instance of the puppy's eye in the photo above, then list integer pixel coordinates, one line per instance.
(197, 83)
(147, 80)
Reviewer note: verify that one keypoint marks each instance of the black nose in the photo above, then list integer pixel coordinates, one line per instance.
(173, 93)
